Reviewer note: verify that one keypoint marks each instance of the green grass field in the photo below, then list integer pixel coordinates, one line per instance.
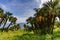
(23, 35)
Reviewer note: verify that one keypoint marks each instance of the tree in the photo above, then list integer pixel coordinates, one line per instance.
(1, 15)
(17, 26)
(12, 21)
(31, 21)
(6, 18)
(53, 10)
(25, 27)
(45, 16)
(50, 10)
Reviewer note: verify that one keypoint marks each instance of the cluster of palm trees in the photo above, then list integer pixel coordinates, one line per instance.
(44, 18)
(6, 17)
(14, 27)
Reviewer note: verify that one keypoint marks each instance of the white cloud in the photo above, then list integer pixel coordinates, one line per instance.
(21, 19)
(40, 2)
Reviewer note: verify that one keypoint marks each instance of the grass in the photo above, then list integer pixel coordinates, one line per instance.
(23, 35)
(9, 35)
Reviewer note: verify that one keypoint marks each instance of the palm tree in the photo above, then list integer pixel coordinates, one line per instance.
(1, 15)
(34, 23)
(12, 21)
(6, 17)
(53, 10)
(25, 27)
(17, 26)
(30, 20)
(49, 12)
(40, 17)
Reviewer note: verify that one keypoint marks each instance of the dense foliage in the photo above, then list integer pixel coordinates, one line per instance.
(44, 18)
(7, 18)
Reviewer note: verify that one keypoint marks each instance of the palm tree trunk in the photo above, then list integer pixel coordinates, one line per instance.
(9, 25)
(53, 28)
(53, 24)
(4, 25)
(1, 21)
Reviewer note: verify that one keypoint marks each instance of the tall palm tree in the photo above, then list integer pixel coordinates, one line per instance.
(1, 15)
(12, 21)
(30, 20)
(49, 11)
(6, 17)
(53, 10)
(33, 22)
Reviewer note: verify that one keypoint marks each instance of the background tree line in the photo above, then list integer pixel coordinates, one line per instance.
(6, 17)
(44, 17)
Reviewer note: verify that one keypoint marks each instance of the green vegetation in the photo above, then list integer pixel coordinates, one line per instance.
(42, 25)
(6, 17)
(26, 35)
(44, 19)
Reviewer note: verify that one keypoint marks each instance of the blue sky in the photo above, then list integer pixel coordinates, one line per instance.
(22, 9)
